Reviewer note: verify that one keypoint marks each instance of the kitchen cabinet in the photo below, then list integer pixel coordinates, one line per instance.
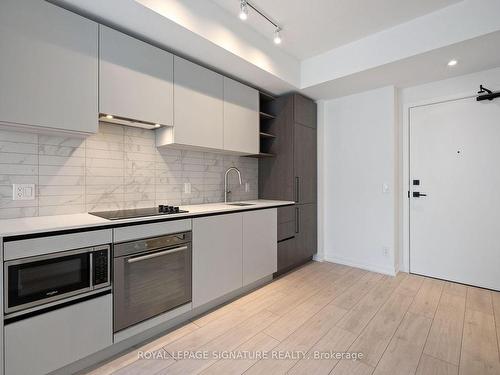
(49, 69)
(135, 79)
(306, 230)
(49, 341)
(241, 117)
(198, 108)
(292, 175)
(217, 256)
(276, 174)
(305, 164)
(287, 254)
(231, 251)
(305, 111)
(259, 244)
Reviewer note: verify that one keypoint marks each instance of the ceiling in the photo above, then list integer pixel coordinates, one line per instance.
(473, 55)
(316, 26)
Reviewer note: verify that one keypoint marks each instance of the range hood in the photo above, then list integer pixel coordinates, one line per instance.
(128, 122)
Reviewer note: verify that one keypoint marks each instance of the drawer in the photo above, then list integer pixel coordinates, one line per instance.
(286, 253)
(286, 230)
(46, 342)
(286, 214)
(137, 232)
(52, 244)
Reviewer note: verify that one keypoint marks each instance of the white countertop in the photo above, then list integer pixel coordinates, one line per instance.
(41, 224)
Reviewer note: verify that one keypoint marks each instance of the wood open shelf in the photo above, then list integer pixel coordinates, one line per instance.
(266, 116)
(261, 155)
(267, 135)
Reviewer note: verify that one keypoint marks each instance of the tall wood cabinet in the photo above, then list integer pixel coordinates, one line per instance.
(292, 175)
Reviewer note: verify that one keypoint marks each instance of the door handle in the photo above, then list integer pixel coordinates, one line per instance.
(155, 255)
(297, 219)
(297, 189)
(417, 194)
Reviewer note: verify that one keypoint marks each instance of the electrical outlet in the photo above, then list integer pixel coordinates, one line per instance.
(187, 187)
(23, 192)
(247, 187)
(385, 251)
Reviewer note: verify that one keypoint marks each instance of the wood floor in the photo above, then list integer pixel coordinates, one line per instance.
(402, 325)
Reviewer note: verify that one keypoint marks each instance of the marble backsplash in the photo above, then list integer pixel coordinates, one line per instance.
(119, 167)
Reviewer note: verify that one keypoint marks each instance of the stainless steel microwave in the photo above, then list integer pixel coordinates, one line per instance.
(34, 281)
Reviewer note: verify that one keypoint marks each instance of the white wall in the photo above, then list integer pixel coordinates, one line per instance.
(358, 148)
(453, 88)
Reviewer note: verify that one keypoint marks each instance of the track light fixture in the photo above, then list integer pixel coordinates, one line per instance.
(277, 36)
(245, 4)
(243, 10)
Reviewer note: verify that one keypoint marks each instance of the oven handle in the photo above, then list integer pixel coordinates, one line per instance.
(155, 255)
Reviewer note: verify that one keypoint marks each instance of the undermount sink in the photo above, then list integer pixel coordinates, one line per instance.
(240, 204)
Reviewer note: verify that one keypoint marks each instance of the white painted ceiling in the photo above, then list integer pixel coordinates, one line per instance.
(311, 27)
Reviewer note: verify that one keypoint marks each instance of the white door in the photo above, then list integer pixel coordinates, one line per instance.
(455, 156)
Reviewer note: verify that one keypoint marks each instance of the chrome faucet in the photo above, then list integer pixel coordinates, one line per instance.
(226, 192)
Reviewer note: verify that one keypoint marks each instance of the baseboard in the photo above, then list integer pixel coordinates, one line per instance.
(319, 257)
(364, 266)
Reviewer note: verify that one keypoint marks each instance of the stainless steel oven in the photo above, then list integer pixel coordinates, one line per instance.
(150, 277)
(39, 280)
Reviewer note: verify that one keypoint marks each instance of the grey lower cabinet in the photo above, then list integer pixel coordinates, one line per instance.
(259, 244)
(46, 342)
(49, 67)
(135, 79)
(217, 256)
(231, 251)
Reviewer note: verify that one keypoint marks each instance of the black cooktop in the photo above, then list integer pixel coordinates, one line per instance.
(139, 212)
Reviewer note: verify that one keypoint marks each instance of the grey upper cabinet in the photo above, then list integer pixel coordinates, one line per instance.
(211, 112)
(48, 68)
(241, 117)
(135, 79)
(198, 106)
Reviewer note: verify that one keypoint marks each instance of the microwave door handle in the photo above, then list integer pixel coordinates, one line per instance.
(156, 255)
(91, 271)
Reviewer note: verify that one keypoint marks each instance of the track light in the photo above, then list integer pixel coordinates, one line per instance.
(277, 36)
(243, 10)
(245, 4)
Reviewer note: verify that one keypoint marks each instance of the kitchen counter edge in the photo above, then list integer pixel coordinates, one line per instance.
(39, 225)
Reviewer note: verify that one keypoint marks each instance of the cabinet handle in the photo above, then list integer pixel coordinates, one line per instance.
(297, 189)
(297, 219)
(156, 255)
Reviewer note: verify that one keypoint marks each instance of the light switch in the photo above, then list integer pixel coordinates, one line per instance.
(23, 192)
(385, 188)
(187, 188)
(247, 187)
